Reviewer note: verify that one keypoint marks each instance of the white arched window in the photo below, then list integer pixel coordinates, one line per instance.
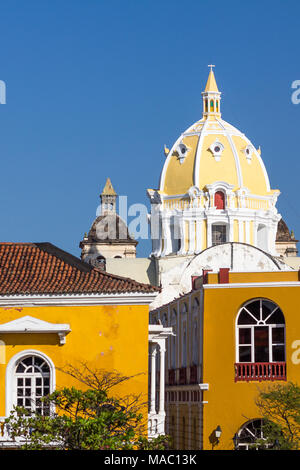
(247, 437)
(260, 340)
(29, 378)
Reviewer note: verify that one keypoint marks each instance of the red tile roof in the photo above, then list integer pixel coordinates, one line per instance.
(42, 268)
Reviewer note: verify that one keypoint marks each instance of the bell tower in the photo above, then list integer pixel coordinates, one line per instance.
(211, 96)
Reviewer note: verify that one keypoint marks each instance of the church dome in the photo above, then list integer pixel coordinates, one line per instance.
(214, 189)
(213, 150)
(109, 228)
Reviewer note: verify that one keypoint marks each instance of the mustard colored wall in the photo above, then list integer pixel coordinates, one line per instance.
(211, 170)
(253, 174)
(231, 404)
(179, 176)
(106, 337)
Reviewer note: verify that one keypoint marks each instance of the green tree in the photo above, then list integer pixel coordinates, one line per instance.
(89, 418)
(279, 406)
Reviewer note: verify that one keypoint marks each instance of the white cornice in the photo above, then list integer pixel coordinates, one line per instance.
(77, 300)
(29, 324)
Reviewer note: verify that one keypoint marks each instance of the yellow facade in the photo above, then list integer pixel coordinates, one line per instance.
(231, 404)
(223, 400)
(110, 337)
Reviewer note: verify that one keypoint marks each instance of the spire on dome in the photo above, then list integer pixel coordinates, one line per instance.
(108, 189)
(108, 198)
(211, 84)
(211, 96)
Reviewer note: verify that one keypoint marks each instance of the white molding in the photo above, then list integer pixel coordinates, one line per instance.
(197, 160)
(30, 324)
(216, 154)
(77, 299)
(235, 154)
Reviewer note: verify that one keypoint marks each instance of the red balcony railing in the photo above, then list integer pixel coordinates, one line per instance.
(247, 371)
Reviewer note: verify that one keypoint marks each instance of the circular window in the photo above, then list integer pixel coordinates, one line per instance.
(217, 149)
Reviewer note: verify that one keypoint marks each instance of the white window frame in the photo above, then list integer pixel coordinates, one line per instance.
(10, 382)
(259, 323)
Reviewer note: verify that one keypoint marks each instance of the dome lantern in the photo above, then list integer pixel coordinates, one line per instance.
(211, 96)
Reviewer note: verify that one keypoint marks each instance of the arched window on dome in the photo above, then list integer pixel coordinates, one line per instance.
(217, 106)
(206, 106)
(212, 106)
(260, 340)
(220, 200)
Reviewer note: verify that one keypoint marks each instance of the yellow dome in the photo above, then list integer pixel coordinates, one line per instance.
(212, 150)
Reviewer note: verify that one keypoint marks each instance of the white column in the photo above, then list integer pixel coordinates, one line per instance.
(162, 350)
(153, 377)
(166, 235)
(255, 225)
(198, 236)
(247, 229)
(241, 231)
(191, 237)
(230, 229)
(209, 237)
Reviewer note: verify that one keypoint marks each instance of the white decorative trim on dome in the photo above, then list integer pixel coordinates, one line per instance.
(236, 157)
(196, 175)
(216, 149)
(182, 151)
(248, 152)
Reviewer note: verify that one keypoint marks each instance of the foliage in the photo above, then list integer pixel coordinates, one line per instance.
(90, 419)
(279, 407)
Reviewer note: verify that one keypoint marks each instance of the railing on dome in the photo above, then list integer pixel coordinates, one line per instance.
(256, 202)
(260, 371)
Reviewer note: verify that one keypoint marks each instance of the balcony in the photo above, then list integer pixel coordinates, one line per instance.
(259, 371)
(181, 376)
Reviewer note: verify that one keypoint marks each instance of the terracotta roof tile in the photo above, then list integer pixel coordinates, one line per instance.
(42, 268)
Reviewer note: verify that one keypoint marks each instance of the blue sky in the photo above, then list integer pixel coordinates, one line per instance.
(95, 88)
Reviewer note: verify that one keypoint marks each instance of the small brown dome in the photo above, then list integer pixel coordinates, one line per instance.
(283, 233)
(109, 227)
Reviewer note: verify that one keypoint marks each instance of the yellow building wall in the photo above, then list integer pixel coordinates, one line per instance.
(231, 404)
(105, 337)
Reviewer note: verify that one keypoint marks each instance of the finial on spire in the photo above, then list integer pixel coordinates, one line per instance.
(211, 66)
